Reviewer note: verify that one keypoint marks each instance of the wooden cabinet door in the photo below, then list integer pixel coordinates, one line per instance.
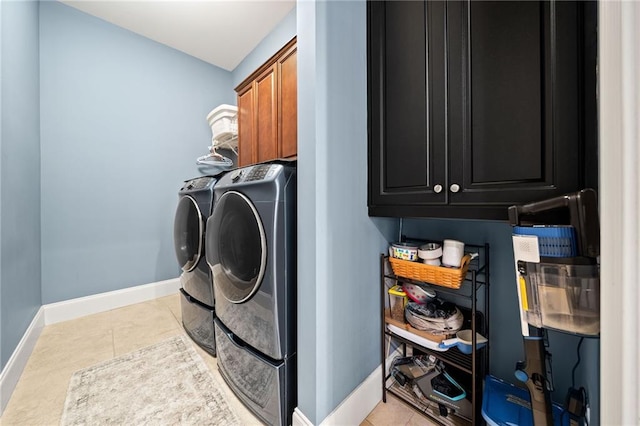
(246, 124)
(407, 104)
(266, 135)
(516, 116)
(288, 104)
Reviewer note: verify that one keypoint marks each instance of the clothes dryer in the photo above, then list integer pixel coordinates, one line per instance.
(196, 293)
(251, 250)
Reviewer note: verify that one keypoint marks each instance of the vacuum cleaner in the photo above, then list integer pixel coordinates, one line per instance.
(556, 244)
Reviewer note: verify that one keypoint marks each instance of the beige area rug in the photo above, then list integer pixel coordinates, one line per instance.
(163, 384)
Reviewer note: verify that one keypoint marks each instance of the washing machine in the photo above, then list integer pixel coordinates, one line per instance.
(195, 201)
(251, 251)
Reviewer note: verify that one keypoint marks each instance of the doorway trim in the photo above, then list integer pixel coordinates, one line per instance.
(619, 93)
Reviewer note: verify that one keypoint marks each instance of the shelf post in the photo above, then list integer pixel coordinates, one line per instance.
(382, 327)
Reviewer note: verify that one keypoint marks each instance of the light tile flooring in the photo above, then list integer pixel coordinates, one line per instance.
(395, 413)
(66, 347)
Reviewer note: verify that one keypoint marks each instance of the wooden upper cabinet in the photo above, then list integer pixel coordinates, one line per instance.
(266, 116)
(245, 126)
(267, 110)
(288, 103)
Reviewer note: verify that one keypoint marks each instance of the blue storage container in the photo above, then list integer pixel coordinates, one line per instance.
(553, 241)
(504, 404)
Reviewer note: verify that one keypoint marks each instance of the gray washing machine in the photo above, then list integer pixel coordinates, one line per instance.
(196, 293)
(251, 250)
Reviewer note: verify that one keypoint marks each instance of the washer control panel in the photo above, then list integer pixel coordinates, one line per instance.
(254, 173)
(198, 184)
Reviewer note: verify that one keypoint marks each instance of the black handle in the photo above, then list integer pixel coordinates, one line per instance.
(537, 207)
(544, 205)
(583, 213)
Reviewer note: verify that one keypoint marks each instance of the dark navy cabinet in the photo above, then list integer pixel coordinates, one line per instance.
(477, 105)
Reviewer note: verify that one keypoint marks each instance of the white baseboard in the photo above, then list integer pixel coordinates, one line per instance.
(68, 310)
(13, 369)
(83, 306)
(355, 407)
(299, 419)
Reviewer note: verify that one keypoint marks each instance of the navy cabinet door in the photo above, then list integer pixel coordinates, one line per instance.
(407, 103)
(497, 107)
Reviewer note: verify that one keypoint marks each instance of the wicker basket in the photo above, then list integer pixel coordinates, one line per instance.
(437, 275)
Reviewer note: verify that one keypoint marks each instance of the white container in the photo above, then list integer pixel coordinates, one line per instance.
(223, 120)
(452, 252)
(430, 253)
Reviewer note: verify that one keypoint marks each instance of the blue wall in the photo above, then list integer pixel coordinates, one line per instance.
(123, 121)
(338, 244)
(274, 41)
(19, 173)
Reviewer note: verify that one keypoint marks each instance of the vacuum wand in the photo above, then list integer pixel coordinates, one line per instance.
(532, 371)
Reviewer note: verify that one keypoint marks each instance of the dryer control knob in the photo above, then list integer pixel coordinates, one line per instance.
(236, 176)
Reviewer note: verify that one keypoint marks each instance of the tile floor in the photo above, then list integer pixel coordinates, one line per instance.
(66, 347)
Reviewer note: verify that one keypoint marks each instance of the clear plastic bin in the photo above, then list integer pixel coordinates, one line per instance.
(564, 297)
(397, 303)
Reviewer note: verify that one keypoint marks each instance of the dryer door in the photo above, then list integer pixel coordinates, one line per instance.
(237, 247)
(188, 230)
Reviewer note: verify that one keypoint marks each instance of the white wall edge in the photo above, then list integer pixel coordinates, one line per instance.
(82, 306)
(619, 90)
(15, 366)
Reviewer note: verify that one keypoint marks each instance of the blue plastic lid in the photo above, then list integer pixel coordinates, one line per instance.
(504, 404)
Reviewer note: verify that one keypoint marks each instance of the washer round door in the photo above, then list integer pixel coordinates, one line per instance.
(188, 233)
(236, 247)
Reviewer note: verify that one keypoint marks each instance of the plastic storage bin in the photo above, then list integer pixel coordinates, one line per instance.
(506, 404)
(553, 241)
(223, 120)
(564, 297)
(397, 303)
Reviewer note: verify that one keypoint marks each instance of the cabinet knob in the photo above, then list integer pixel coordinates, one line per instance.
(437, 188)
(454, 187)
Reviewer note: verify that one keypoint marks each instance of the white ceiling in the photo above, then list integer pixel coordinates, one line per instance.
(220, 32)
